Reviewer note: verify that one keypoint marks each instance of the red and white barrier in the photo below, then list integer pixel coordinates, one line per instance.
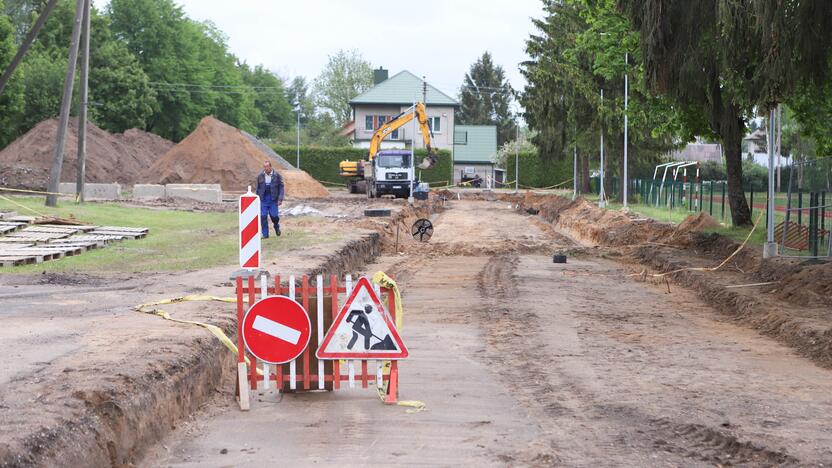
(249, 231)
(319, 296)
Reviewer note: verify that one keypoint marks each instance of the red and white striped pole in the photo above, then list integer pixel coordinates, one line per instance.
(249, 231)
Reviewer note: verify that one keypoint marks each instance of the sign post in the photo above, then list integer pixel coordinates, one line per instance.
(249, 231)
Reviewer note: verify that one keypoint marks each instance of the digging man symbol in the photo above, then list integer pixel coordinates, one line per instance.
(270, 191)
(361, 326)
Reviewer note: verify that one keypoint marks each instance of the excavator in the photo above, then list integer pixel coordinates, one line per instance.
(390, 172)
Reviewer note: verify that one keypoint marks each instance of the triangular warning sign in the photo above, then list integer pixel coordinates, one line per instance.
(362, 330)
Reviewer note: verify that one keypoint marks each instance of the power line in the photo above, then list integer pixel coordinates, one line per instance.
(195, 85)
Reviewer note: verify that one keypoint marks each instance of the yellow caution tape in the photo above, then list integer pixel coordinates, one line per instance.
(382, 279)
(546, 188)
(22, 206)
(215, 330)
(41, 192)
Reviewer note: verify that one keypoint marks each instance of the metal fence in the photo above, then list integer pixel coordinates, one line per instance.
(803, 213)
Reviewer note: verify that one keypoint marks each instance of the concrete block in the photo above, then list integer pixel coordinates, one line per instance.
(148, 191)
(93, 191)
(208, 193)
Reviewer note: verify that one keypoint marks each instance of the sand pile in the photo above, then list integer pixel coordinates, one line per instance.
(110, 157)
(698, 222)
(217, 153)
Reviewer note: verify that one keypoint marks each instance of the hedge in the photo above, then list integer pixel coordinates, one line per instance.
(537, 172)
(322, 163)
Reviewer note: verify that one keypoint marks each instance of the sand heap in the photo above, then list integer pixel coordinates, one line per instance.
(700, 222)
(217, 153)
(110, 157)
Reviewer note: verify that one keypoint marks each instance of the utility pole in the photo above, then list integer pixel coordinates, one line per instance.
(770, 248)
(83, 96)
(626, 95)
(63, 121)
(575, 170)
(517, 159)
(297, 162)
(602, 198)
(779, 141)
(27, 42)
(424, 92)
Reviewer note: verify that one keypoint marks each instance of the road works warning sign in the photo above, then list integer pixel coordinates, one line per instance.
(362, 329)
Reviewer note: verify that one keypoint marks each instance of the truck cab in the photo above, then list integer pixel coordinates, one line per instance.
(392, 174)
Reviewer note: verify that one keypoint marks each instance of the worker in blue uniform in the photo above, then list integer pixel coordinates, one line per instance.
(270, 191)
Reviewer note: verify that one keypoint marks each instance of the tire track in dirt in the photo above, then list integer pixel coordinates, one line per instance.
(584, 429)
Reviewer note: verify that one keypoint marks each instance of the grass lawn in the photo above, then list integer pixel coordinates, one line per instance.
(178, 240)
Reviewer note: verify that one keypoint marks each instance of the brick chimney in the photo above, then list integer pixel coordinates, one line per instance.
(379, 75)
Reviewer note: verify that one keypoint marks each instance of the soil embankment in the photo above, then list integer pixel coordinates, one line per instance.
(793, 307)
(217, 153)
(110, 157)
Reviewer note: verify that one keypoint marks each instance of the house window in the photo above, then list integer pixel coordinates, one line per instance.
(368, 122)
(434, 124)
(381, 120)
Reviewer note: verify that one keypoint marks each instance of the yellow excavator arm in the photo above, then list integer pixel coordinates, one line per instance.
(355, 168)
(418, 111)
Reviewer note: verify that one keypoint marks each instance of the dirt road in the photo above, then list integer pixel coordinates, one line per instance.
(525, 362)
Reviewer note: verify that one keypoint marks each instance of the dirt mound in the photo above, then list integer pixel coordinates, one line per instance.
(110, 157)
(699, 222)
(217, 153)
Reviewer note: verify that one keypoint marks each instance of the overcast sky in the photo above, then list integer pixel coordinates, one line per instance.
(436, 38)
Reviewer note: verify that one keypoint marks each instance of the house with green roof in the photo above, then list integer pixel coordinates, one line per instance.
(475, 154)
(392, 95)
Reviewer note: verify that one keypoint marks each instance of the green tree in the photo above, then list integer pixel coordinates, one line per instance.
(579, 49)
(345, 76)
(167, 45)
(717, 60)
(298, 95)
(12, 99)
(120, 95)
(270, 100)
(485, 98)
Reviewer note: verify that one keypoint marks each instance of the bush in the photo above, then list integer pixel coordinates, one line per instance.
(537, 172)
(322, 163)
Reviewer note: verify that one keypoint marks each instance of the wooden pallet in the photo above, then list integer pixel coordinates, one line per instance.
(88, 238)
(80, 227)
(67, 249)
(7, 229)
(56, 230)
(125, 234)
(44, 254)
(15, 260)
(122, 229)
(86, 245)
(20, 219)
(38, 236)
(6, 240)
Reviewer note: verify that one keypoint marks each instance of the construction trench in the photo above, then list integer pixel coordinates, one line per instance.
(601, 361)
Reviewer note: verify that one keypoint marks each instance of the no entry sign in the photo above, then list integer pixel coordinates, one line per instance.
(276, 329)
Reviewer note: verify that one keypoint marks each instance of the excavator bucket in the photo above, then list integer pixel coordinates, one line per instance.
(428, 162)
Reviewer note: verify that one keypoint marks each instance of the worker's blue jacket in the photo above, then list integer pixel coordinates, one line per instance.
(275, 188)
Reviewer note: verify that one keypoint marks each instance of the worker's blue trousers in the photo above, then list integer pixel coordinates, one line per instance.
(268, 209)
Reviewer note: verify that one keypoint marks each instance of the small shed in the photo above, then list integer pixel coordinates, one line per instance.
(475, 154)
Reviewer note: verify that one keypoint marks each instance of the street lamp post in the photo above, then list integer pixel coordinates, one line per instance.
(602, 197)
(297, 163)
(626, 92)
(770, 247)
